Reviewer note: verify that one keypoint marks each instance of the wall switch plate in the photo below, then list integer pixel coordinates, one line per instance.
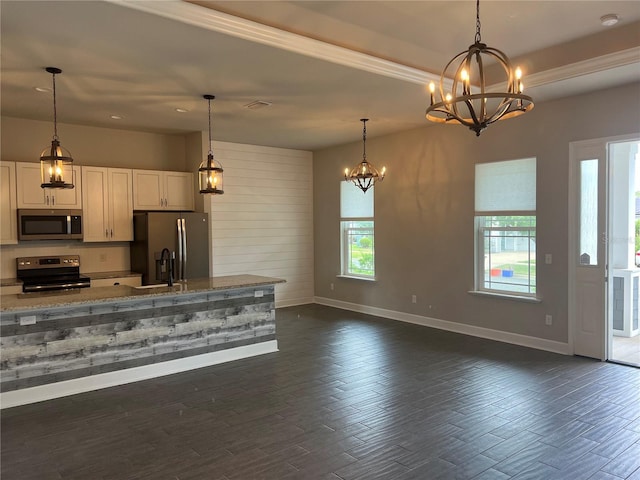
(548, 258)
(28, 320)
(331, 286)
(414, 299)
(548, 320)
(258, 293)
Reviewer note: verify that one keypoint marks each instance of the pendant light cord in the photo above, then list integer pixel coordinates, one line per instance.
(210, 149)
(55, 112)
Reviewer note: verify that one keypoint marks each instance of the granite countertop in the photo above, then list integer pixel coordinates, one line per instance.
(33, 301)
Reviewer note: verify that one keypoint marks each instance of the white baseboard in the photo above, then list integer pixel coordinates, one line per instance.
(488, 333)
(292, 302)
(129, 375)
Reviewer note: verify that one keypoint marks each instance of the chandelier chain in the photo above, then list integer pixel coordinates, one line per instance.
(210, 149)
(364, 140)
(478, 21)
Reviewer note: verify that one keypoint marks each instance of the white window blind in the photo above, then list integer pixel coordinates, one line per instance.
(354, 203)
(506, 186)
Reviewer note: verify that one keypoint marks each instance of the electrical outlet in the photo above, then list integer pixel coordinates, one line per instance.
(548, 258)
(548, 320)
(414, 299)
(103, 257)
(331, 285)
(258, 293)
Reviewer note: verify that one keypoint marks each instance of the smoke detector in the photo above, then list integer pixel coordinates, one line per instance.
(609, 19)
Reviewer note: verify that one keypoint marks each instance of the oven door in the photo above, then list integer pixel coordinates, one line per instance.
(48, 224)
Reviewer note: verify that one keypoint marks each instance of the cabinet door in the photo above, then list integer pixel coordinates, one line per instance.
(95, 201)
(8, 221)
(30, 194)
(179, 191)
(148, 190)
(121, 204)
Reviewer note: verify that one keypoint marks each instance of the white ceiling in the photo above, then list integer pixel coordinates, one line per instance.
(322, 64)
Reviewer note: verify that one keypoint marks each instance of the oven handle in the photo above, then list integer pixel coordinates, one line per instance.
(62, 286)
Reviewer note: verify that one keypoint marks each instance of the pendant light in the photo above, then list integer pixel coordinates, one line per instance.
(468, 102)
(210, 171)
(56, 163)
(364, 175)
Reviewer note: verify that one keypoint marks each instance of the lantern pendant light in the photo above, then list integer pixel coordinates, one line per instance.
(56, 163)
(210, 171)
(364, 175)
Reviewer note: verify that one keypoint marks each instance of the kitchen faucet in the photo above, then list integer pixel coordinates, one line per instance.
(169, 265)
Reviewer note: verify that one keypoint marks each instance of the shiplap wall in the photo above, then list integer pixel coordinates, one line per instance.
(263, 224)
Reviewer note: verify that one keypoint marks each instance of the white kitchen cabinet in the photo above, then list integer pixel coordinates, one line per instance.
(107, 200)
(32, 195)
(158, 190)
(8, 215)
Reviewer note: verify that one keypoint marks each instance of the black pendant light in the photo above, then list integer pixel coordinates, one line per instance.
(364, 175)
(210, 171)
(56, 163)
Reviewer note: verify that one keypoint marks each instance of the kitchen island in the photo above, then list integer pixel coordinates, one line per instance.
(79, 340)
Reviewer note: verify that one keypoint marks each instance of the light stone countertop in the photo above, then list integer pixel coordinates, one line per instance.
(34, 301)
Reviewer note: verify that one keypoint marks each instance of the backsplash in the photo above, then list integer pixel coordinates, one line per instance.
(99, 257)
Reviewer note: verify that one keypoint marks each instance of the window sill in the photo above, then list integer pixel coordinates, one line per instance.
(357, 278)
(506, 296)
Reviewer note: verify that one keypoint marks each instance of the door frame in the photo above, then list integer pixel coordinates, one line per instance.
(574, 212)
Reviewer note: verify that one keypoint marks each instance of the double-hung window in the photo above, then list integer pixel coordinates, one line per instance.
(356, 231)
(505, 218)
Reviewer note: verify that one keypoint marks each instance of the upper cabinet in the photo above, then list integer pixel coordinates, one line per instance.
(8, 215)
(157, 190)
(32, 195)
(107, 201)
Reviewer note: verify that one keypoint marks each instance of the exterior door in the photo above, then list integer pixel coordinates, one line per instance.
(588, 248)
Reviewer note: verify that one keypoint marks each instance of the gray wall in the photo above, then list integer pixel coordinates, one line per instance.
(424, 211)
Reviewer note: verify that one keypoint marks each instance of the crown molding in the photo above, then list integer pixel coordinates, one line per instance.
(246, 29)
(220, 22)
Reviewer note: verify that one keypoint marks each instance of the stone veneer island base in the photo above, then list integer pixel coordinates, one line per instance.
(65, 343)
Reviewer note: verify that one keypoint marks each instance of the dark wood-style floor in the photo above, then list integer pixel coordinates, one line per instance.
(347, 397)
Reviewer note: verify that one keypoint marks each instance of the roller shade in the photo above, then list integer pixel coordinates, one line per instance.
(354, 203)
(508, 186)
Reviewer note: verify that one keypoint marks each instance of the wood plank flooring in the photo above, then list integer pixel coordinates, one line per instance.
(348, 397)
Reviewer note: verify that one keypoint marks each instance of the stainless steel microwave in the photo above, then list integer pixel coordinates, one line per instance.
(49, 224)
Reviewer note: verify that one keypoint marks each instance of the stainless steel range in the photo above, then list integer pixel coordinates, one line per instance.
(39, 274)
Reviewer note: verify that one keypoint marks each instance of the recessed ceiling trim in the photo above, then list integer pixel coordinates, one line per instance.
(239, 27)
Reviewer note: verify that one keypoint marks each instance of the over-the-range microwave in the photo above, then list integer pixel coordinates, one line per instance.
(49, 224)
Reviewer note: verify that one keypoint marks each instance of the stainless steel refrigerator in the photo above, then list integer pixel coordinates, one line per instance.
(185, 234)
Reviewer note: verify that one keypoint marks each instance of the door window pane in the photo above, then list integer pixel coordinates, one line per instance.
(588, 212)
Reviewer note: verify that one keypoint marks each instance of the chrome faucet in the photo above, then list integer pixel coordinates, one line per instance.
(168, 265)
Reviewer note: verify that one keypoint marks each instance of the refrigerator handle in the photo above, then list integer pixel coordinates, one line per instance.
(184, 249)
(180, 249)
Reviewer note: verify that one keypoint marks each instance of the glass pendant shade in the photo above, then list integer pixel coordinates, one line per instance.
(210, 172)
(56, 167)
(210, 176)
(56, 163)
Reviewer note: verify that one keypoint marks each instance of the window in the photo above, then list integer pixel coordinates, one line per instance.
(356, 231)
(505, 200)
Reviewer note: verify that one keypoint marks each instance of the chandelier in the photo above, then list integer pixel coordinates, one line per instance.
(468, 102)
(56, 163)
(364, 175)
(210, 171)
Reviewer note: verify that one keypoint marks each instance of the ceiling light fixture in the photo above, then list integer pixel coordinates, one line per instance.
(468, 102)
(609, 20)
(210, 171)
(56, 163)
(364, 175)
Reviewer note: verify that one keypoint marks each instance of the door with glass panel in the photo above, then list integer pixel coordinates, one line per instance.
(588, 248)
